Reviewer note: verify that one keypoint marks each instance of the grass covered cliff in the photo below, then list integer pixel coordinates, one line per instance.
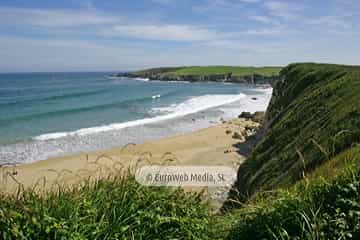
(324, 205)
(236, 74)
(302, 180)
(313, 116)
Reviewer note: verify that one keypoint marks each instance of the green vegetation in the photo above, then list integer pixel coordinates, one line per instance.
(109, 209)
(323, 208)
(313, 116)
(158, 70)
(311, 132)
(315, 208)
(236, 71)
(235, 74)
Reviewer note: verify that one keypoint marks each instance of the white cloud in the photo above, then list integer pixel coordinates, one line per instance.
(283, 9)
(223, 6)
(262, 19)
(165, 32)
(53, 18)
(30, 54)
(216, 5)
(10, 40)
(265, 31)
(166, 2)
(247, 47)
(250, 1)
(330, 21)
(88, 39)
(265, 20)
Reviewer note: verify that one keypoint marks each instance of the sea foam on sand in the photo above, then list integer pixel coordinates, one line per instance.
(192, 105)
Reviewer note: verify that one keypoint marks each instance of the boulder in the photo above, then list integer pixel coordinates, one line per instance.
(237, 135)
(245, 115)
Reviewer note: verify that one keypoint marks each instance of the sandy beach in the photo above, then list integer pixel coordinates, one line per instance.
(206, 147)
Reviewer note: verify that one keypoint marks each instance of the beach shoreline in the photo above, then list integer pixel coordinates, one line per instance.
(206, 147)
(61, 134)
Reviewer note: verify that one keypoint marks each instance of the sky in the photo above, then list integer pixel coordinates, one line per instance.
(120, 35)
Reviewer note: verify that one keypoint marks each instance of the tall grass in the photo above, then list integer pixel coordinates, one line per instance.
(111, 208)
(120, 208)
(321, 209)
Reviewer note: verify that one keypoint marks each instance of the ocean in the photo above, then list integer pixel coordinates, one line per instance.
(45, 115)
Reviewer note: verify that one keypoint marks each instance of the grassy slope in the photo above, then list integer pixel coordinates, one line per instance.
(159, 70)
(325, 205)
(212, 70)
(236, 71)
(314, 116)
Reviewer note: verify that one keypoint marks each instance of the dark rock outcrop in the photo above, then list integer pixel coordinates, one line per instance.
(256, 117)
(166, 76)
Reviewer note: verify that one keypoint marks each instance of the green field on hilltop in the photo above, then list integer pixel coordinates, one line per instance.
(235, 70)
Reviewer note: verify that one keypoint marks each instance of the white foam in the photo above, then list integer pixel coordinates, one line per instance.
(112, 77)
(190, 106)
(141, 79)
(252, 103)
(156, 96)
(267, 90)
(172, 81)
(197, 104)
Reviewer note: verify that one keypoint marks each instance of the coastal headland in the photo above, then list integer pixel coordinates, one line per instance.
(233, 74)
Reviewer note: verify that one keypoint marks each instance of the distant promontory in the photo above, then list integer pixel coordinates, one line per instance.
(233, 74)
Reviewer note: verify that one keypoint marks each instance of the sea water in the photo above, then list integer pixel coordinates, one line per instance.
(44, 115)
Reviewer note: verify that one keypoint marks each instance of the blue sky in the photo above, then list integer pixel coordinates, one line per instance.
(93, 35)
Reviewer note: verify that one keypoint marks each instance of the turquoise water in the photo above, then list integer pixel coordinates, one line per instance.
(51, 114)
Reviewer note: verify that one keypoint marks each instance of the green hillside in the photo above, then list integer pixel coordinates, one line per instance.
(311, 134)
(159, 70)
(313, 116)
(233, 74)
(323, 206)
(236, 71)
